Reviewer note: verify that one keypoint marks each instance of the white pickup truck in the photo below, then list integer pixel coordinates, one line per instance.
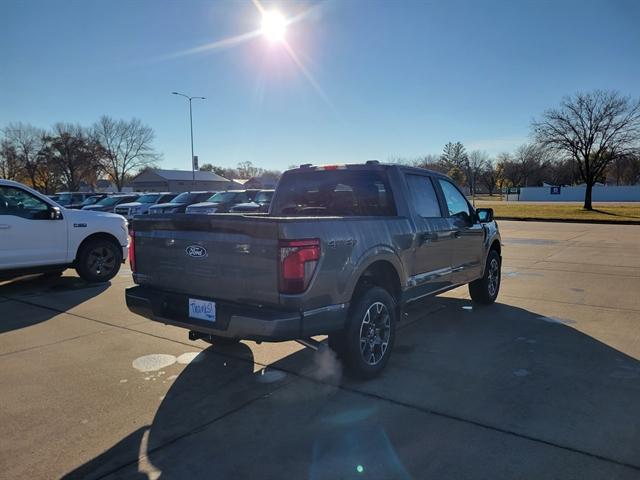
(39, 236)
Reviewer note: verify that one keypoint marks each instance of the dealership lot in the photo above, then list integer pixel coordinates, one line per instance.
(545, 384)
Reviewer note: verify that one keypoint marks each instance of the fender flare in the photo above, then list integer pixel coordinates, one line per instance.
(369, 257)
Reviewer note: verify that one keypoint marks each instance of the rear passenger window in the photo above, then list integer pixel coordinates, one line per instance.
(423, 196)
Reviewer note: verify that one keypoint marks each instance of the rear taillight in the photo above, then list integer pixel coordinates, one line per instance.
(132, 251)
(298, 260)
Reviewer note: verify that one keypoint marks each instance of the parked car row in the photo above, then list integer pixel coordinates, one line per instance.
(143, 203)
(180, 203)
(202, 202)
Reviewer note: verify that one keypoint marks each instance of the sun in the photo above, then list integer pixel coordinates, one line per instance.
(274, 26)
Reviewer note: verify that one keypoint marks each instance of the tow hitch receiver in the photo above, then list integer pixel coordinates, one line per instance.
(193, 335)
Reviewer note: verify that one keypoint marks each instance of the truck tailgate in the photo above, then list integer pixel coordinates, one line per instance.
(225, 257)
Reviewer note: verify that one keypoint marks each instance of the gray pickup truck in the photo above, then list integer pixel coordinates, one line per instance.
(341, 252)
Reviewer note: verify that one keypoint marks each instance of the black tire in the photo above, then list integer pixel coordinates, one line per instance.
(337, 343)
(485, 290)
(366, 343)
(214, 340)
(99, 260)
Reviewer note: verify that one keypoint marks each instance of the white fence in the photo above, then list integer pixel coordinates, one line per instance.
(576, 194)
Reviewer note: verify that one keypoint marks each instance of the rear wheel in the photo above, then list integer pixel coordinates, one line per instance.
(99, 260)
(485, 290)
(365, 345)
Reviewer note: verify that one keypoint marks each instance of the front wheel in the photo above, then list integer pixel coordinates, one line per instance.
(366, 344)
(485, 290)
(99, 260)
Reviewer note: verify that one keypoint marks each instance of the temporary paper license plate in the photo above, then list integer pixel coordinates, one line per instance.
(202, 309)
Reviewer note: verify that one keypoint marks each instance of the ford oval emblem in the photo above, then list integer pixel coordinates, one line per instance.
(196, 251)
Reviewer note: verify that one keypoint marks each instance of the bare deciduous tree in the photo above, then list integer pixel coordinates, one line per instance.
(491, 176)
(9, 163)
(27, 142)
(247, 169)
(625, 169)
(531, 162)
(126, 147)
(593, 128)
(476, 162)
(228, 173)
(560, 172)
(72, 154)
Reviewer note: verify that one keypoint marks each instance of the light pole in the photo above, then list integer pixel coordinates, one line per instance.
(193, 167)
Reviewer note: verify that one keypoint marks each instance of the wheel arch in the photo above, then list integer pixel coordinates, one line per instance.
(96, 236)
(383, 273)
(495, 245)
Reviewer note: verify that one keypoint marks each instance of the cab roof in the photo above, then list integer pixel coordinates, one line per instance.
(369, 165)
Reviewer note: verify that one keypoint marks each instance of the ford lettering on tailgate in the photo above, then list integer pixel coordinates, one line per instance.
(196, 251)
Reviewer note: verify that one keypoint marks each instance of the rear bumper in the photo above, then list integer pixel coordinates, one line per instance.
(235, 320)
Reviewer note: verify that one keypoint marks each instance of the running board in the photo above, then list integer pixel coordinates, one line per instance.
(311, 343)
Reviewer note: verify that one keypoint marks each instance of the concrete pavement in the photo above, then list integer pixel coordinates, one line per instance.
(545, 384)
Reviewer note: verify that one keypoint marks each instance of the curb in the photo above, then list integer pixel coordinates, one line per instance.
(569, 220)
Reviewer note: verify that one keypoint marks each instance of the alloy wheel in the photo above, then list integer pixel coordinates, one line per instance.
(375, 331)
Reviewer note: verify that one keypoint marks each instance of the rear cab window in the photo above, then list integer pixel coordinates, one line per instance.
(341, 192)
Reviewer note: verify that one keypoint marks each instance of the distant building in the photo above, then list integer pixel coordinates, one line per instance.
(157, 180)
(105, 186)
(266, 182)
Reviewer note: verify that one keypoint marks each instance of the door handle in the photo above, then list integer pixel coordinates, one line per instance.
(428, 237)
(4, 226)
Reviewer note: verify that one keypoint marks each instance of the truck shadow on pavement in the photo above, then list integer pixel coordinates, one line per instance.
(27, 290)
(493, 392)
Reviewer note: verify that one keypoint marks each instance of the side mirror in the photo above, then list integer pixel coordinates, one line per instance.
(484, 215)
(55, 213)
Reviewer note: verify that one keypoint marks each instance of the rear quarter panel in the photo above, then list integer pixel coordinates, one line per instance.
(348, 245)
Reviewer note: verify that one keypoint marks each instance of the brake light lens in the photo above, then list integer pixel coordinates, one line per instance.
(298, 261)
(132, 251)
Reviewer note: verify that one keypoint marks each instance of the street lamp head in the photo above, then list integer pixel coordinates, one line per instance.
(175, 93)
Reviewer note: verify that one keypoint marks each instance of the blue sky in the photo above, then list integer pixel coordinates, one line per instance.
(392, 78)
